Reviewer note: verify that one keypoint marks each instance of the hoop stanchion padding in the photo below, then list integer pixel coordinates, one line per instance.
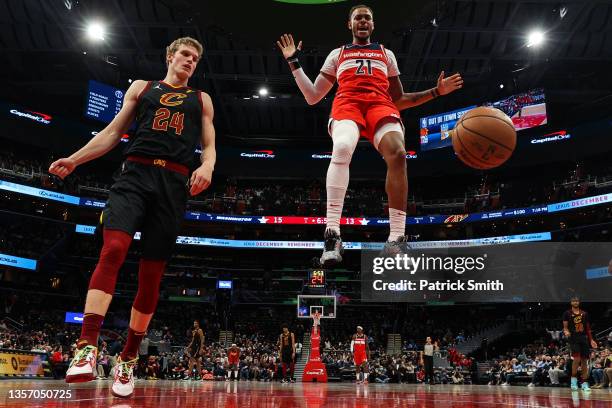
(315, 369)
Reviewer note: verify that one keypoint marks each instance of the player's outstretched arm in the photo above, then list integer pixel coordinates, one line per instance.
(408, 100)
(105, 140)
(313, 93)
(202, 176)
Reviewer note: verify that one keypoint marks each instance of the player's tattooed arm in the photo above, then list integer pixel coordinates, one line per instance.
(404, 100)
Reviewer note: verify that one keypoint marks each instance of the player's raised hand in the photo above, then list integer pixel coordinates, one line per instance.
(449, 84)
(62, 167)
(287, 45)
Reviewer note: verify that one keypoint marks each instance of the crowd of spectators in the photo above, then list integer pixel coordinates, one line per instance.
(549, 363)
(363, 198)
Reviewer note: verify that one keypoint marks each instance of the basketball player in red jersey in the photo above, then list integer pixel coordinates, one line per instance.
(361, 354)
(150, 195)
(367, 103)
(233, 360)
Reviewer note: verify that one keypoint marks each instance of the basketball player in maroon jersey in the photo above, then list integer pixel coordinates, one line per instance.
(361, 354)
(367, 103)
(286, 353)
(577, 331)
(150, 195)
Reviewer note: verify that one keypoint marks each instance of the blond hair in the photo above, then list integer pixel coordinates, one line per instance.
(192, 42)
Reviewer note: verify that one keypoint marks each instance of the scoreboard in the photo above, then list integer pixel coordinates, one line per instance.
(103, 101)
(316, 278)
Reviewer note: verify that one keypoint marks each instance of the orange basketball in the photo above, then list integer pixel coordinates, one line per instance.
(484, 138)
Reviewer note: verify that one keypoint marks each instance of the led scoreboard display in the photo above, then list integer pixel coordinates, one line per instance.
(103, 101)
(316, 278)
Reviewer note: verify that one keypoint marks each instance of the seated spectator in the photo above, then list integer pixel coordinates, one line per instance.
(152, 368)
(557, 371)
(457, 377)
(380, 374)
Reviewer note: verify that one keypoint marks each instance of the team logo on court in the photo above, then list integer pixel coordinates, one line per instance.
(172, 98)
(455, 218)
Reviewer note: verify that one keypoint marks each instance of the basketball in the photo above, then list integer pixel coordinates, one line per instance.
(484, 138)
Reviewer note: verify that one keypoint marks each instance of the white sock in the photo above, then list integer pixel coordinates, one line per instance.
(397, 221)
(345, 135)
(358, 375)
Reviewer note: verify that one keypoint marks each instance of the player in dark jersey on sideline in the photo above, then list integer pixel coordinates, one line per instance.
(286, 345)
(149, 195)
(195, 350)
(367, 103)
(577, 331)
(361, 355)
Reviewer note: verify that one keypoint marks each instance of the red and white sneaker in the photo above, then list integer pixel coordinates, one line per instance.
(123, 378)
(83, 365)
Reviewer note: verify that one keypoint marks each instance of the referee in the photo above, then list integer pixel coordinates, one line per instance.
(427, 360)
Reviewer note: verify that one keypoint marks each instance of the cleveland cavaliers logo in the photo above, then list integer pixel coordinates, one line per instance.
(172, 99)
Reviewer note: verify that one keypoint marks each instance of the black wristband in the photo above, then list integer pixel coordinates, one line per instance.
(293, 60)
(434, 93)
(294, 63)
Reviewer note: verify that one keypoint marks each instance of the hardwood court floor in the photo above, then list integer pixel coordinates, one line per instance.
(186, 394)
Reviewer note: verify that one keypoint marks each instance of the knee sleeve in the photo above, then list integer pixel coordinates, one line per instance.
(387, 127)
(345, 135)
(114, 250)
(149, 278)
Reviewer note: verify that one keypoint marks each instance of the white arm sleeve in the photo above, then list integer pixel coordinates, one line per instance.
(312, 92)
(352, 345)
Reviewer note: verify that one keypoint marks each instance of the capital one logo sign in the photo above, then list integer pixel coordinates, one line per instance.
(35, 116)
(124, 138)
(317, 371)
(259, 154)
(324, 155)
(552, 137)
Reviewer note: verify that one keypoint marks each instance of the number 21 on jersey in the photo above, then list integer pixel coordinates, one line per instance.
(364, 67)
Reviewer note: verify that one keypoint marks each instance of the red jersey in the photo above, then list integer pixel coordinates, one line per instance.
(359, 344)
(233, 356)
(361, 69)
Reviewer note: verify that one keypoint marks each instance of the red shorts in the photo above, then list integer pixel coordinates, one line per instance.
(365, 109)
(233, 362)
(360, 358)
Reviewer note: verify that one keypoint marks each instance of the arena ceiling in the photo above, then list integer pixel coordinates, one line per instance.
(46, 60)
